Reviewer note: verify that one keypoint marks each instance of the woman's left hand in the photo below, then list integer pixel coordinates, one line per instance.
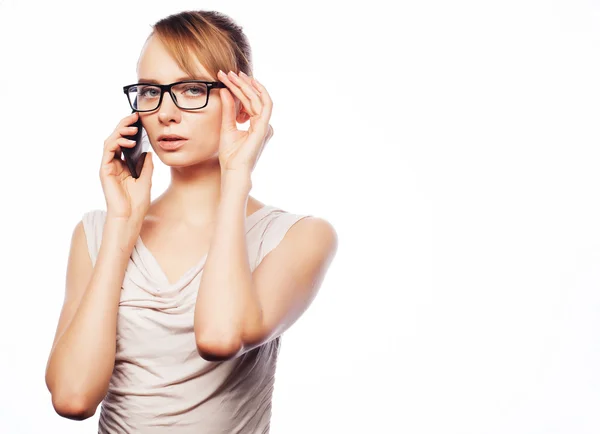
(239, 150)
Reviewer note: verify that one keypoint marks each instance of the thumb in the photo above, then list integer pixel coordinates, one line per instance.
(227, 110)
(148, 167)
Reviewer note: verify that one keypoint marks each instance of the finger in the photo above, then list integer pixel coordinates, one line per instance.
(232, 83)
(264, 96)
(227, 111)
(114, 168)
(112, 147)
(127, 120)
(123, 129)
(125, 142)
(147, 168)
(267, 106)
(245, 93)
(123, 132)
(248, 80)
(251, 93)
(110, 153)
(127, 131)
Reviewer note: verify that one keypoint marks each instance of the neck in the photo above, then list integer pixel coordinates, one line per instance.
(194, 194)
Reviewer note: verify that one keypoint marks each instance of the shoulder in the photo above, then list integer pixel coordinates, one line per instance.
(289, 278)
(93, 215)
(300, 233)
(92, 222)
(312, 235)
(303, 222)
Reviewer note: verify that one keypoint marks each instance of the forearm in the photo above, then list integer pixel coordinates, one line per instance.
(227, 310)
(82, 361)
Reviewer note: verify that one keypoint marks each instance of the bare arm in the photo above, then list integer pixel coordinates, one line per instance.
(226, 302)
(238, 309)
(83, 352)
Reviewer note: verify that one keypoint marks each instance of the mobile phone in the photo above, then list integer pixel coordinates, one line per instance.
(134, 156)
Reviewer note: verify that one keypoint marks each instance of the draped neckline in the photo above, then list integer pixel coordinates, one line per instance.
(186, 277)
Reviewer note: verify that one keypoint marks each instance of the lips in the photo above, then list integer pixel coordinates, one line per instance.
(170, 137)
(171, 142)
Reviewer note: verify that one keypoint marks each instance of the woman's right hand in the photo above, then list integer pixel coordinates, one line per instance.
(126, 197)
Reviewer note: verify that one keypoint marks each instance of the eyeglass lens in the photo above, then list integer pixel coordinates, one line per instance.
(187, 96)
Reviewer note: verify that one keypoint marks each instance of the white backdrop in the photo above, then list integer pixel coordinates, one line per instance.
(453, 146)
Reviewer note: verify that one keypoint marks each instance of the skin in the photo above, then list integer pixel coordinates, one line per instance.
(200, 213)
(182, 219)
(191, 200)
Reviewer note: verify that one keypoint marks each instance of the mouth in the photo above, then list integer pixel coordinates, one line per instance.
(170, 145)
(171, 142)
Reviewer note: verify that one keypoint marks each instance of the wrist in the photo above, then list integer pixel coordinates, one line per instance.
(124, 232)
(236, 180)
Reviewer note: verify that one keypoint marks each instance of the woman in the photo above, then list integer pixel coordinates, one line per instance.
(174, 308)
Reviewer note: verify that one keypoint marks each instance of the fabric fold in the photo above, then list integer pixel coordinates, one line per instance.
(159, 379)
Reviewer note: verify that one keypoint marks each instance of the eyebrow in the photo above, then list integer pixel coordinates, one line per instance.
(187, 77)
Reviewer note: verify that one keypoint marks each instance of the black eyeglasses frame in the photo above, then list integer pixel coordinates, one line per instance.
(167, 88)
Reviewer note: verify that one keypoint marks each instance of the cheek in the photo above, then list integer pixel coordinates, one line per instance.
(207, 131)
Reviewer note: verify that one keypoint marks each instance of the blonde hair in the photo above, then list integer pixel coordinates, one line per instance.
(212, 37)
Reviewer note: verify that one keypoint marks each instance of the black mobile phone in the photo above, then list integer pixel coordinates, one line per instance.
(134, 156)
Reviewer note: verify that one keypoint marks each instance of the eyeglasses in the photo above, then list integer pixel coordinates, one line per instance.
(187, 95)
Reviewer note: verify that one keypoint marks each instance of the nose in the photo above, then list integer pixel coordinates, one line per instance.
(168, 110)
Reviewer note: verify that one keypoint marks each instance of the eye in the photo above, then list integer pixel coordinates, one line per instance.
(146, 91)
(195, 90)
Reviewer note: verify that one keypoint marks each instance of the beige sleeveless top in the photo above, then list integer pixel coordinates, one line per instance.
(160, 383)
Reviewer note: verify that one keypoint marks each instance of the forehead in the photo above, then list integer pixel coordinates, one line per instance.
(156, 64)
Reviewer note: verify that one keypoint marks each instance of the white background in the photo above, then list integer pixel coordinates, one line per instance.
(453, 146)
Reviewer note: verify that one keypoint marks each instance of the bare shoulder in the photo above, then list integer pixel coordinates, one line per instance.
(289, 277)
(311, 230)
(310, 238)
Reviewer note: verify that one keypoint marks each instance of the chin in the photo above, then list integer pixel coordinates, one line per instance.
(181, 158)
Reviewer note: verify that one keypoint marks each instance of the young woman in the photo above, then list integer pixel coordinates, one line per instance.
(174, 308)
